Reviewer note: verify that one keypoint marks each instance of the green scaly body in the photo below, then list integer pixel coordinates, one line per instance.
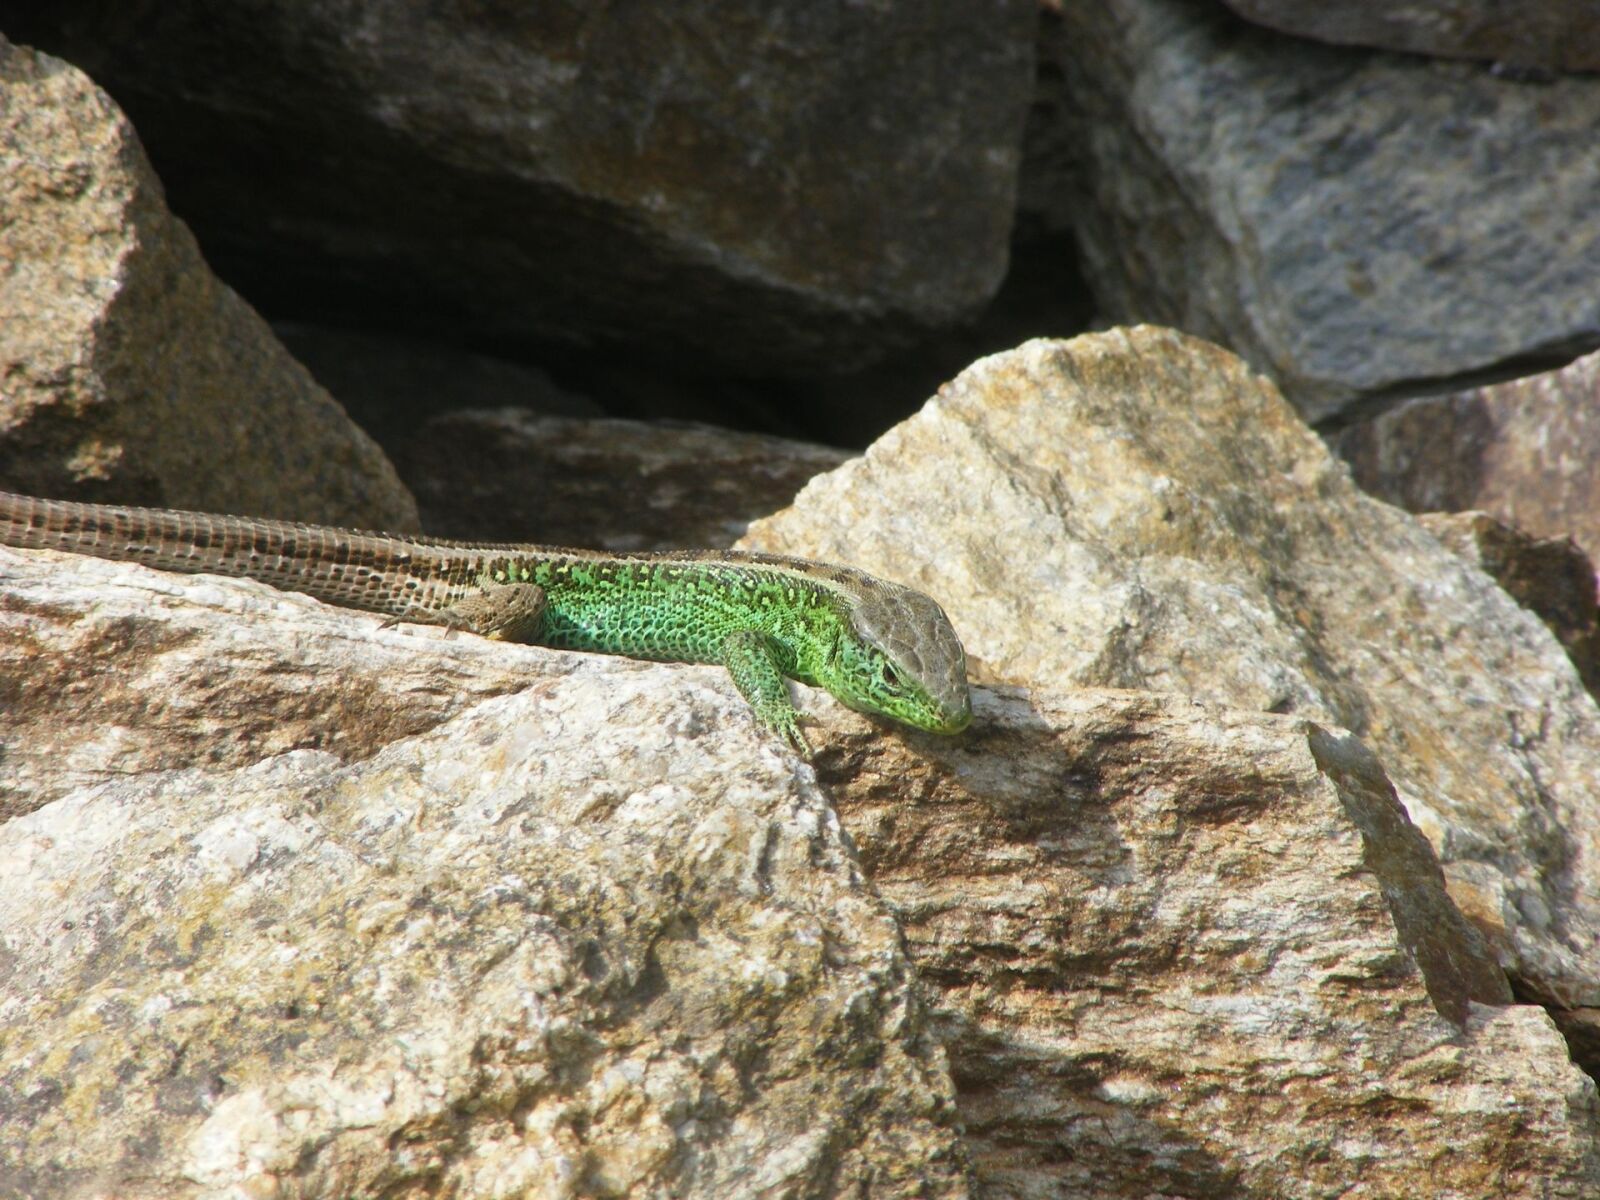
(877, 646)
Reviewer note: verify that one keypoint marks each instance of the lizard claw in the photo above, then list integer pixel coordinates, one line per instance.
(797, 740)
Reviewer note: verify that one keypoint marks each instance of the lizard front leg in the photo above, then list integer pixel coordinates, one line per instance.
(752, 660)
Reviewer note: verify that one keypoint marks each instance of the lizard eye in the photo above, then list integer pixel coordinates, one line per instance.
(891, 676)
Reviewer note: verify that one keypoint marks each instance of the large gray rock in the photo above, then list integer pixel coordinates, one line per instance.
(303, 906)
(127, 370)
(765, 187)
(1561, 35)
(1527, 451)
(430, 913)
(1137, 509)
(1352, 222)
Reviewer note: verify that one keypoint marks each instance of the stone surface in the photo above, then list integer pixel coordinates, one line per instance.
(513, 475)
(599, 936)
(1526, 450)
(1184, 951)
(1550, 577)
(1137, 509)
(1354, 223)
(768, 187)
(127, 370)
(1560, 35)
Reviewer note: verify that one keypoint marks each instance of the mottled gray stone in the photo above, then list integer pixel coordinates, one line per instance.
(1354, 223)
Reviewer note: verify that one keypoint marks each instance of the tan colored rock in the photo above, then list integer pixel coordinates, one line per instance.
(1185, 951)
(601, 936)
(1526, 451)
(1137, 509)
(593, 935)
(763, 186)
(1558, 35)
(1353, 223)
(514, 475)
(127, 370)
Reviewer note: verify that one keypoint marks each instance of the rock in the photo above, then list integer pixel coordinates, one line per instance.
(513, 475)
(1560, 36)
(1550, 577)
(756, 187)
(1581, 1028)
(394, 385)
(1186, 951)
(572, 925)
(1356, 224)
(1527, 451)
(514, 923)
(129, 372)
(1137, 509)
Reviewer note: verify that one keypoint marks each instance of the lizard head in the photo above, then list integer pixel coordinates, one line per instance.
(900, 658)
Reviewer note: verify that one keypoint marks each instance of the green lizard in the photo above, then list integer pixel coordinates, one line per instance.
(878, 647)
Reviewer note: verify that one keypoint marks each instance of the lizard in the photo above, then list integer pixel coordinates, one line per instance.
(877, 646)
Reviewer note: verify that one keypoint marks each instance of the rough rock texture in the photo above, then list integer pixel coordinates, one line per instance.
(1561, 35)
(72, 691)
(1352, 222)
(600, 937)
(1189, 952)
(1137, 509)
(1527, 451)
(127, 370)
(603, 937)
(763, 186)
(513, 475)
(1550, 577)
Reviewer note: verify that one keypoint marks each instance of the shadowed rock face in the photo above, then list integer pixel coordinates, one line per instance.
(1526, 451)
(1550, 577)
(760, 187)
